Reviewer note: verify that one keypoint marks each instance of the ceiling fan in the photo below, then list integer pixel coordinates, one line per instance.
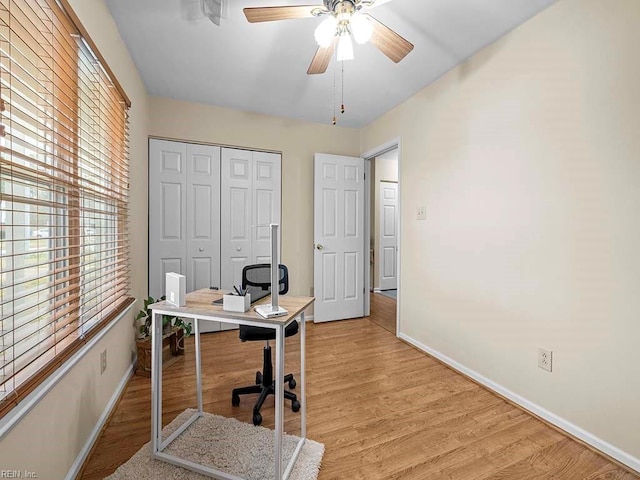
(343, 20)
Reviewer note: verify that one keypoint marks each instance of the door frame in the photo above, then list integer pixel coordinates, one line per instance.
(368, 156)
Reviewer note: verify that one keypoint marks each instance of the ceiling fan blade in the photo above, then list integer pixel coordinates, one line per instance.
(321, 59)
(389, 42)
(269, 14)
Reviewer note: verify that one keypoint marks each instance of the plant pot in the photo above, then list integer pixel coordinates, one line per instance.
(172, 350)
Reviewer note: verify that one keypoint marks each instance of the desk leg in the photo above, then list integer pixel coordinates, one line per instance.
(303, 393)
(279, 399)
(156, 382)
(196, 328)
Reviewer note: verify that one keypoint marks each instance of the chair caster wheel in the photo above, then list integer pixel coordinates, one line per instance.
(295, 405)
(257, 418)
(235, 400)
(292, 384)
(258, 378)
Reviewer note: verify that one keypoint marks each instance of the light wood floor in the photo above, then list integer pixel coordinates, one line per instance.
(383, 409)
(383, 312)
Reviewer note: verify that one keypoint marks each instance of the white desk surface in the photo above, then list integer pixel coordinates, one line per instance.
(199, 304)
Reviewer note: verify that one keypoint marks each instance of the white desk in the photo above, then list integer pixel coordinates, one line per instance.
(199, 307)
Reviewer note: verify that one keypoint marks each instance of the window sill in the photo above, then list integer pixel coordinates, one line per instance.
(17, 413)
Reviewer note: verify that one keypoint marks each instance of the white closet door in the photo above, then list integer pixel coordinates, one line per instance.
(266, 204)
(167, 212)
(203, 217)
(251, 193)
(236, 210)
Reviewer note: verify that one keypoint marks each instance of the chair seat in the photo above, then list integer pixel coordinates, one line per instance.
(250, 334)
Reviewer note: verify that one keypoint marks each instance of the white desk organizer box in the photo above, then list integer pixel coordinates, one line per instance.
(176, 289)
(236, 303)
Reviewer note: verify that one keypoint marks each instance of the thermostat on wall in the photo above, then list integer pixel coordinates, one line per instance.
(176, 289)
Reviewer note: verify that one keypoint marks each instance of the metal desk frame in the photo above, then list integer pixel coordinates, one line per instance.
(197, 310)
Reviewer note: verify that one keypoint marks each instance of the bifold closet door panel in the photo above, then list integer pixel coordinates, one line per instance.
(266, 204)
(235, 215)
(251, 199)
(167, 212)
(203, 217)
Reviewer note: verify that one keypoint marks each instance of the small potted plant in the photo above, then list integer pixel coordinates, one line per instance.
(174, 329)
(168, 321)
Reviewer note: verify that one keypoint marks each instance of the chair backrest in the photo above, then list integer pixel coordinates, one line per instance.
(258, 277)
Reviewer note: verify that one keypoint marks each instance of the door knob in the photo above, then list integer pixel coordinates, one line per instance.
(201, 249)
(238, 249)
(319, 246)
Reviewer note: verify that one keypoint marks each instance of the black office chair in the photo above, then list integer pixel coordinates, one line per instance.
(257, 280)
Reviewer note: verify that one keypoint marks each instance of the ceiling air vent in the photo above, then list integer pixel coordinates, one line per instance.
(214, 10)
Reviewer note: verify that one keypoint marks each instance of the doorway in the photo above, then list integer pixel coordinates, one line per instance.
(336, 178)
(384, 233)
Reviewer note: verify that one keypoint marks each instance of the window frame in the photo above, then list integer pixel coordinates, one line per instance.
(70, 245)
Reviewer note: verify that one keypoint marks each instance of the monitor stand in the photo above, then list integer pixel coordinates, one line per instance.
(273, 310)
(267, 311)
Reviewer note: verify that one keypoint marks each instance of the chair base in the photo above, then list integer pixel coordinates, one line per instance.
(265, 386)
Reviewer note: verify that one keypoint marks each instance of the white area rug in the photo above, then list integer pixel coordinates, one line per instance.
(224, 443)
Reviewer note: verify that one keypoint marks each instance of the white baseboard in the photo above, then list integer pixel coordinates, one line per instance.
(95, 433)
(376, 290)
(590, 439)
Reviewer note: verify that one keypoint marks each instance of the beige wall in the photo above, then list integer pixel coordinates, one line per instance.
(297, 141)
(49, 438)
(526, 157)
(385, 170)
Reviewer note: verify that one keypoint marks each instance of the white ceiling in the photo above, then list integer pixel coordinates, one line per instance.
(262, 67)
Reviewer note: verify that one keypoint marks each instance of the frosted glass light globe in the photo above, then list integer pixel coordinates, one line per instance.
(361, 28)
(345, 47)
(325, 32)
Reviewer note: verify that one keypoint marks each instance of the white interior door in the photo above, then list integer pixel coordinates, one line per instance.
(338, 273)
(388, 235)
(167, 212)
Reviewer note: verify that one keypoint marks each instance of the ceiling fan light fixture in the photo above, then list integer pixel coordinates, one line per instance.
(361, 28)
(326, 31)
(345, 47)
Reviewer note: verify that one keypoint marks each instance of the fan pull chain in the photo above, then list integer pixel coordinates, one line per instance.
(334, 97)
(342, 98)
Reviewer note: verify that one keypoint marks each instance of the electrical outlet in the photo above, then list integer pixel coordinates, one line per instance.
(103, 361)
(545, 359)
(421, 213)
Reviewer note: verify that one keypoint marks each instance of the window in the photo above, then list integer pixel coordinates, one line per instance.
(63, 194)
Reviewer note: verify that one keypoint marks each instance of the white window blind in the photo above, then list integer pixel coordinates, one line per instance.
(63, 194)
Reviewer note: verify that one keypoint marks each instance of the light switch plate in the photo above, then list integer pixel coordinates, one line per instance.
(421, 213)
